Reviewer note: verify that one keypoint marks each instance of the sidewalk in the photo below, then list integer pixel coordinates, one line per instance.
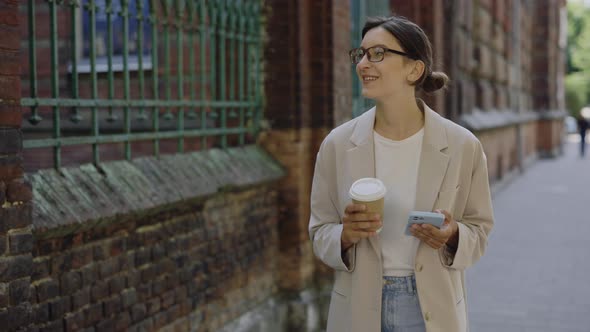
(535, 275)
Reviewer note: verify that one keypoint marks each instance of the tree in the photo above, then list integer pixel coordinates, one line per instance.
(577, 81)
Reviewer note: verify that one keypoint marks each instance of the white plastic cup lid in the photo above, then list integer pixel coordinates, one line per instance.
(367, 190)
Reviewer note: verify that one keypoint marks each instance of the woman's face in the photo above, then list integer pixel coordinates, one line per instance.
(386, 78)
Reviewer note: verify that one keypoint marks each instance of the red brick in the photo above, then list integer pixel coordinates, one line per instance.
(40, 313)
(112, 305)
(122, 321)
(19, 291)
(4, 295)
(128, 297)
(94, 313)
(15, 316)
(99, 291)
(20, 242)
(81, 257)
(74, 321)
(11, 116)
(13, 267)
(106, 325)
(40, 268)
(3, 245)
(138, 312)
(9, 37)
(9, 13)
(10, 63)
(70, 282)
(47, 289)
(81, 298)
(2, 195)
(19, 191)
(9, 87)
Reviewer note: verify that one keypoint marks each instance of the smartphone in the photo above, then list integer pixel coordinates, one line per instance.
(422, 217)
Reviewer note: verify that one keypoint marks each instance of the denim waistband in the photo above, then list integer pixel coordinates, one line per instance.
(400, 284)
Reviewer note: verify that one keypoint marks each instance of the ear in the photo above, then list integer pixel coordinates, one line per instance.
(416, 72)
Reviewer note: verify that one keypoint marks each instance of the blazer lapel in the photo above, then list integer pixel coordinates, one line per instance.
(361, 157)
(433, 161)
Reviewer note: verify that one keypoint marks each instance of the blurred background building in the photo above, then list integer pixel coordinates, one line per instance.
(156, 155)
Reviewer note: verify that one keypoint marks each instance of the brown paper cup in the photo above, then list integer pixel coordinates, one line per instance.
(373, 207)
(370, 192)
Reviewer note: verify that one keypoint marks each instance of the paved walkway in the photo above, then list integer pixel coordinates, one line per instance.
(535, 275)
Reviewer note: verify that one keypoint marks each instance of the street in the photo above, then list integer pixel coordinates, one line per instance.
(535, 274)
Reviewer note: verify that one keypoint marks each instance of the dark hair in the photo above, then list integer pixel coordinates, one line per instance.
(414, 41)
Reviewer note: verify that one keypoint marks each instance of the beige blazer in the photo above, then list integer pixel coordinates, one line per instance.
(452, 175)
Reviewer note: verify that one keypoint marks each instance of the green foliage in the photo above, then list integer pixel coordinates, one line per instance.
(578, 22)
(577, 81)
(576, 91)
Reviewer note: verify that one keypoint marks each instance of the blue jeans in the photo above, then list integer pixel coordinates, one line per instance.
(400, 307)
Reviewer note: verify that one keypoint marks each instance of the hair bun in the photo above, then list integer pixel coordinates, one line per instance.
(435, 81)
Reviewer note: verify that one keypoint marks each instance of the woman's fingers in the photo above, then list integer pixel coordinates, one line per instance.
(433, 242)
(362, 233)
(361, 217)
(354, 208)
(429, 234)
(362, 220)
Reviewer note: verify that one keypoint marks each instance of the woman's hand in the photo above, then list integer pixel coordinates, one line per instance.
(437, 238)
(358, 224)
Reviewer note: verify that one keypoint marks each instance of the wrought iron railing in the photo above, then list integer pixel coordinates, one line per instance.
(172, 69)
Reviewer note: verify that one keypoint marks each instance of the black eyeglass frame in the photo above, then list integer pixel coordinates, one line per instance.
(366, 51)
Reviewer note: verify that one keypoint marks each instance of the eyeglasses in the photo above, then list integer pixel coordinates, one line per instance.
(374, 54)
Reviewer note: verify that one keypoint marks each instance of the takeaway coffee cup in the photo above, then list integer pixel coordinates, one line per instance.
(371, 192)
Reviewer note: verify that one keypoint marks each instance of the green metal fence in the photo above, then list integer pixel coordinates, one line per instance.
(202, 70)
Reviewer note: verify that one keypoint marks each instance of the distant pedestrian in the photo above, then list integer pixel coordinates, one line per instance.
(582, 128)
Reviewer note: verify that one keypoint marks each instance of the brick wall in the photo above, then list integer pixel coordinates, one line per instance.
(308, 91)
(153, 245)
(550, 137)
(15, 194)
(192, 267)
(500, 149)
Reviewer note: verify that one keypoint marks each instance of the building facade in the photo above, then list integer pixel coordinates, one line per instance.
(161, 181)
(506, 61)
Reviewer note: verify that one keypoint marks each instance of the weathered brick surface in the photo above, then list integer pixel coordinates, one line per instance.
(82, 297)
(20, 241)
(74, 321)
(15, 216)
(10, 141)
(18, 190)
(46, 289)
(4, 295)
(2, 244)
(15, 316)
(101, 280)
(10, 114)
(14, 267)
(19, 291)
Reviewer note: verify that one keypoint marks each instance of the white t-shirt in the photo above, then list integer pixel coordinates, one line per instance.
(396, 164)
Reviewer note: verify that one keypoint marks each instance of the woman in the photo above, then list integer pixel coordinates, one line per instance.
(390, 281)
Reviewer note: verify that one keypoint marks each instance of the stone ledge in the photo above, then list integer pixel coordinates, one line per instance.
(552, 114)
(79, 198)
(484, 120)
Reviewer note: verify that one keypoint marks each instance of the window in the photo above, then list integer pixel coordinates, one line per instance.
(102, 36)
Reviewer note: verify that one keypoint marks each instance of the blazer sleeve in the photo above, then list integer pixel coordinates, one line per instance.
(325, 227)
(477, 220)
